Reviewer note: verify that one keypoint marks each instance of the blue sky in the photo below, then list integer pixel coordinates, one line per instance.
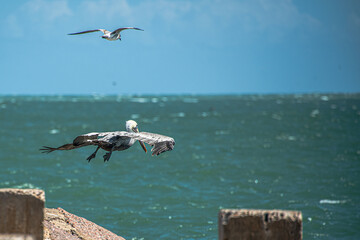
(188, 47)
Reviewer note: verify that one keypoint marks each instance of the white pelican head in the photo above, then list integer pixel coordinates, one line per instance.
(132, 126)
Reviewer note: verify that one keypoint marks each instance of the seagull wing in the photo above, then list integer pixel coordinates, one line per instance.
(160, 143)
(90, 31)
(125, 28)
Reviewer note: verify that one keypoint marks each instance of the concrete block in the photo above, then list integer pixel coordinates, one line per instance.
(237, 224)
(15, 237)
(22, 212)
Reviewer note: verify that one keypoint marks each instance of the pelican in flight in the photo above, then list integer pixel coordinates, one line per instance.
(111, 36)
(118, 141)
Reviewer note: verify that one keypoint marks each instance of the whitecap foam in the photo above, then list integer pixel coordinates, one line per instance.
(276, 116)
(26, 185)
(314, 113)
(139, 100)
(135, 116)
(204, 114)
(190, 100)
(324, 98)
(286, 137)
(180, 114)
(329, 201)
(222, 132)
(54, 131)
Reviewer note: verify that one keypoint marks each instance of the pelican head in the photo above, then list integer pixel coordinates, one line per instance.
(132, 126)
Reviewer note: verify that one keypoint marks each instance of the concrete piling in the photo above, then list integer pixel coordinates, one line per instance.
(22, 213)
(238, 224)
(23, 217)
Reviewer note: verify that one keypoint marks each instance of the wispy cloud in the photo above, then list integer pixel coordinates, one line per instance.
(46, 10)
(109, 9)
(248, 15)
(268, 14)
(208, 18)
(132, 12)
(13, 26)
(35, 14)
(274, 19)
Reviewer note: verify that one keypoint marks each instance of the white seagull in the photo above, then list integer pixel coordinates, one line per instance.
(118, 141)
(111, 36)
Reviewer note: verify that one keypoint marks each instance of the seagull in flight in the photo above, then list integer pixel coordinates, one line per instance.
(111, 36)
(118, 141)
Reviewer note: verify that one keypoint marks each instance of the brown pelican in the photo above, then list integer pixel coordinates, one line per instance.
(111, 36)
(118, 141)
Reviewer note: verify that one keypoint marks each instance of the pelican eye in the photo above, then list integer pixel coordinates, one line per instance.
(135, 129)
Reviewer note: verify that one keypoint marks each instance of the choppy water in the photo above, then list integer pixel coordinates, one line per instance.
(296, 152)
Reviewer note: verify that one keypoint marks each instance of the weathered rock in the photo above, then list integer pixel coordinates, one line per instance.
(62, 225)
(22, 212)
(237, 224)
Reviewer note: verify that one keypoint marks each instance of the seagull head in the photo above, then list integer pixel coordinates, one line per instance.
(132, 126)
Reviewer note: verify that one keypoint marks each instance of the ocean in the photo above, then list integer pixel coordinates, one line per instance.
(292, 152)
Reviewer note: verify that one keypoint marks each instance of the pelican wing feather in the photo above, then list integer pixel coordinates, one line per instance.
(95, 137)
(89, 137)
(160, 143)
(113, 137)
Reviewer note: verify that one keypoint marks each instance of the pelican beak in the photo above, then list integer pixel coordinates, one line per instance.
(136, 130)
(143, 146)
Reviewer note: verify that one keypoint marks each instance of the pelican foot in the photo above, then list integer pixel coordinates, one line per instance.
(107, 156)
(91, 157)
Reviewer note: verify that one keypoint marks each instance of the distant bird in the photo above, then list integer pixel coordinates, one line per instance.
(111, 36)
(118, 141)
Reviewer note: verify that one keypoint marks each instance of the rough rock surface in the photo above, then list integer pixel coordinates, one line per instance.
(259, 224)
(22, 212)
(62, 225)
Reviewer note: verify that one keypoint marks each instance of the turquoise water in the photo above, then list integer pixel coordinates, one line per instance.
(294, 152)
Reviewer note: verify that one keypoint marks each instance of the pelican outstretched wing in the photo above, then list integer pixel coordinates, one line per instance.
(80, 141)
(46, 149)
(159, 142)
(90, 31)
(93, 138)
(109, 137)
